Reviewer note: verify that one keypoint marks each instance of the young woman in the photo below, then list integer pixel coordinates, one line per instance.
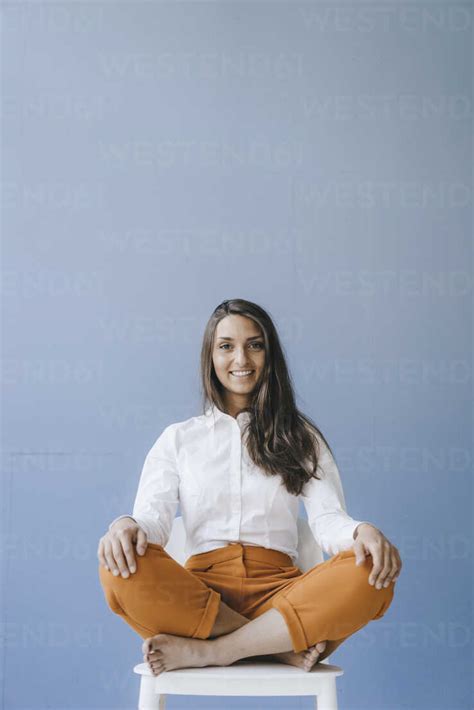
(238, 472)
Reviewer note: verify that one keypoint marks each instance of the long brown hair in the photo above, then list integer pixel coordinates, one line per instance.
(281, 440)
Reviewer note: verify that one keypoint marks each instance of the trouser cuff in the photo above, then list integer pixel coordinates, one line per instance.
(295, 627)
(209, 615)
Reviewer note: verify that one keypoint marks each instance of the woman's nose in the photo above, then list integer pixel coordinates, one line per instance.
(240, 359)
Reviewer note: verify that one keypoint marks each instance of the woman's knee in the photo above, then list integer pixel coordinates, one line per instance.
(359, 577)
(107, 580)
(143, 563)
(386, 600)
(382, 597)
(147, 581)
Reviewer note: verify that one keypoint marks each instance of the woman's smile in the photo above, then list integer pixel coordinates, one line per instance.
(242, 374)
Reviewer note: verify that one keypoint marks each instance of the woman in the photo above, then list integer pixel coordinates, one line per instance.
(238, 472)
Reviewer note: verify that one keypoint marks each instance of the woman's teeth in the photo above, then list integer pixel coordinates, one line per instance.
(241, 373)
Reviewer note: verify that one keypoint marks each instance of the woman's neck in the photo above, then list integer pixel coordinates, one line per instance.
(234, 406)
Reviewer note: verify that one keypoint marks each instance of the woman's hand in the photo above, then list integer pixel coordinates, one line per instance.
(116, 551)
(386, 560)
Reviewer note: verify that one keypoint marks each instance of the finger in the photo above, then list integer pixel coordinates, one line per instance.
(377, 557)
(100, 555)
(141, 541)
(109, 557)
(127, 547)
(399, 560)
(118, 555)
(359, 552)
(393, 569)
(386, 565)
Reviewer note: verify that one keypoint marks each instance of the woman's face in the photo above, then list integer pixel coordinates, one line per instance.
(238, 347)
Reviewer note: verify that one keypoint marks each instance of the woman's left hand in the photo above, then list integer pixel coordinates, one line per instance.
(386, 559)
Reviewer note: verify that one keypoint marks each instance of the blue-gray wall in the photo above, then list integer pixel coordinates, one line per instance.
(160, 157)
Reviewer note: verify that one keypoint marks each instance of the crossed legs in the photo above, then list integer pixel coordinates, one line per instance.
(186, 624)
(266, 637)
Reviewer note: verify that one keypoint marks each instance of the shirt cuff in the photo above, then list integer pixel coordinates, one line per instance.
(357, 524)
(119, 518)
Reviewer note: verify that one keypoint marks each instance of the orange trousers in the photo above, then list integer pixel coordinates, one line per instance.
(328, 603)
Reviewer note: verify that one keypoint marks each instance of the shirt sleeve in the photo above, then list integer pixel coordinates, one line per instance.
(126, 515)
(157, 496)
(324, 503)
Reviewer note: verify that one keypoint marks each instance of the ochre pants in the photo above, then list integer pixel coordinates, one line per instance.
(328, 603)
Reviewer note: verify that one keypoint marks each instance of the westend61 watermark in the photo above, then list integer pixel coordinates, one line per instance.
(414, 17)
(52, 371)
(377, 107)
(47, 546)
(445, 634)
(371, 194)
(51, 634)
(395, 370)
(405, 283)
(201, 240)
(54, 195)
(29, 283)
(60, 105)
(212, 64)
(415, 459)
(55, 18)
(59, 462)
(210, 153)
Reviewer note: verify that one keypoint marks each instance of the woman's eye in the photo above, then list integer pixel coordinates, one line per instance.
(224, 345)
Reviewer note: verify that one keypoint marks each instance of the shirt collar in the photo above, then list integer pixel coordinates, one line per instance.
(213, 414)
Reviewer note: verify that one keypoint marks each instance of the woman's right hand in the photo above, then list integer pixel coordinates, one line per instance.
(116, 547)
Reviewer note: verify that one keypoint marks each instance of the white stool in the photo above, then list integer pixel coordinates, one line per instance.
(245, 677)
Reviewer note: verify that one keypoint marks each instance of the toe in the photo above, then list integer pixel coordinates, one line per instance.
(321, 646)
(147, 646)
(155, 655)
(152, 645)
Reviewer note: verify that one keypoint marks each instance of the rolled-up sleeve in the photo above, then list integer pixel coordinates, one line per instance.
(324, 503)
(157, 496)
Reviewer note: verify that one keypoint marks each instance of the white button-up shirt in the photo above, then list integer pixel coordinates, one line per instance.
(202, 463)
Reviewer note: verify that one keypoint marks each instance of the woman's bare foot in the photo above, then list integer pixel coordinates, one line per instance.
(304, 659)
(165, 652)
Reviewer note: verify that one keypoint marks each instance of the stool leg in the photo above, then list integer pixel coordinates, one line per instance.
(149, 700)
(327, 697)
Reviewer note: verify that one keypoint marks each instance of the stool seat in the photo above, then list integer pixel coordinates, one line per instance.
(242, 678)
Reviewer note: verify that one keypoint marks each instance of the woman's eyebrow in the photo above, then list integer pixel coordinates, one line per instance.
(225, 337)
